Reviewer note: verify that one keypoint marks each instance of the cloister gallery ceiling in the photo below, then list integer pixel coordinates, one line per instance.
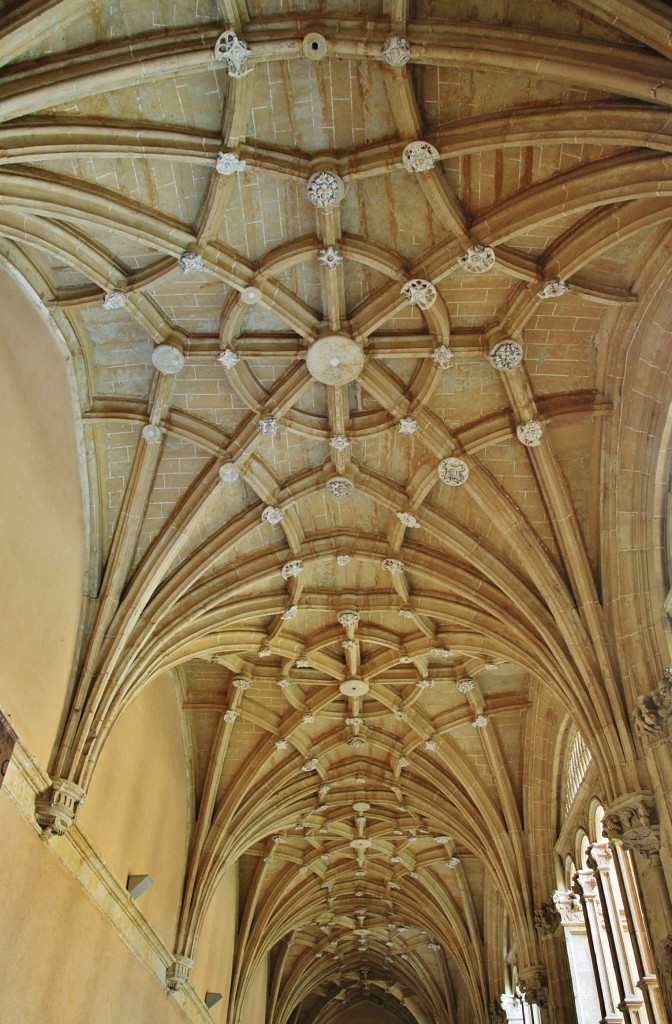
(340, 282)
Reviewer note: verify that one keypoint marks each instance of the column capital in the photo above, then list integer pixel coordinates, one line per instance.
(533, 984)
(546, 920)
(633, 821)
(568, 906)
(177, 973)
(56, 809)
(585, 884)
(653, 710)
(600, 856)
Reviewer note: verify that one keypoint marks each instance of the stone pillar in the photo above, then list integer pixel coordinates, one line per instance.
(579, 956)
(585, 886)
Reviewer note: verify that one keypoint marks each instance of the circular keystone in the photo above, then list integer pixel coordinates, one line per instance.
(354, 687)
(314, 46)
(335, 359)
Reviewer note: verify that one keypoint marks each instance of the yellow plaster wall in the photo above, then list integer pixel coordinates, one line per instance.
(214, 954)
(66, 966)
(41, 554)
(254, 1007)
(136, 814)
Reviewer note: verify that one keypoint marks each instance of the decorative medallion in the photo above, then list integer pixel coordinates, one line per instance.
(114, 300)
(272, 515)
(228, 164)
(228, 359)
(348, 618)
(342, 558)
(325, 189)
(434, 946)
(310, 766)
(250, 296)
(452, 863)
(290, 613)
(419, 293)
(349, 645)
(293, 568)
(242, 682)
(281, 840)
(408, 519)
(453, 472)
(431, 745)
(281, 744)
(530, 433)
(308, 719)
(168, 358)
(406, 612)
(335, 359)
(404, 762)
(419, 157)
(265, 651)
(339, 442)
(441, 652)
(229, 473)
(393, 565)
(234, 52)
(396, 51)
(230, 716)
(354, 687)
(190, 262)
(554, 289)
(357, 721)
(407, 425)
(425, 684)
(284, 682)
(490, 666)
(442, 840)
(340, 487)
(480, 722)
(478, 259)
(151, 433)
(442, 357)
(330, 257)
(357, 743)
(268, 425)
(302, 662)
(466, 685)
(506, 355)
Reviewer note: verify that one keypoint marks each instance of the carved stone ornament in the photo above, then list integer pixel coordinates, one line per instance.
(419, 157)
(441, 652)
(281, 744)
(242, 682)
(330, 257)
(568, 906)
(343, 558)
(393, 565)
(478, 259)
(267, 425)
(453, 472)
(633, 820)
(419, 293)
(325, 189)
(228, 164)
(406, 612)
(339, 442)
(177, 973)
(349, 645)
(396, 51)
(431, 745)
(496, 1012)
(251, 295)
(442, 357)
(229, 473)
(348, 618)
(442, 840)
(506, 355)
(293, 568)
(56, 810)
(168, 358)
(308, 718)
(357, 743)
(481, 722)
(265, 651)
(340, 487)
(434, 946)
(151, 433)
(407, 425)
(302, 662)
(228, 359)
(284, 682)
(114, 300)
(530, 433)
(408, 519)
(290, 613)
(425, 684)
(532, 983)
(452, 863)
(310, 766)
(190, 262)
(654, 710)
(230, 716)
(466, 685)
(546, 920)
(234, 52)
(272, 515)
(554, 289)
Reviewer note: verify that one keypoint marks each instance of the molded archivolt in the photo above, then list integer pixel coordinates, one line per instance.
(342, 448)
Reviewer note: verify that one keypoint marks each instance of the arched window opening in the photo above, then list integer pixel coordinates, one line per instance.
(578, 762)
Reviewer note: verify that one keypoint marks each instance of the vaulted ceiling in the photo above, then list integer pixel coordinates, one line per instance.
(373, 645)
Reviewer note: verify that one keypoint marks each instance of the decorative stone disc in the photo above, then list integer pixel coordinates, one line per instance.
(354, 687)
(335, 359)
(453, 471)
(360, 844)
(168, 358)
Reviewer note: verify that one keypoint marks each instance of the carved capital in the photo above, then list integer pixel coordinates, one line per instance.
(568, 906)
(585, 884)
(546, 920)
(653, 710)
(177, 973)
(633, 821)
(532, 983)
(56, 809)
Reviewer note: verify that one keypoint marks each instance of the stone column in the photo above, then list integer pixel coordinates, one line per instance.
(585, 886)
(584, 985)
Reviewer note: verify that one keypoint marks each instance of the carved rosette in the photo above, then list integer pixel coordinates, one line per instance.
(230, 716)
(310, 766)
(177, 973)
(654, 710)
(442, 357)
(348, 618)
(339, 442)
(290, 613)
(340, 487)
(419, 293)
(228, 164)
(293, 568)
(532, 983)
(419, 157)
(407, 425)
(481, 722)
(396, 51)
(466, 685)
(633, 821)
(272, 515)
(330, 257)
(547, 920)
(530, 433)
(190, 262)
(268, 426)
(56, 810)
(393, 565)
(453, 472)
(342, 558)
(228, 359)
(234, 52)
(325, 189)
(242, 682)
(425, 684)
(506, 355)
(151, 433)
(229, 473)
(554, 289)
(167, 358)
(409, 520)
(114, 300)
(478, 259)
(406, 612)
